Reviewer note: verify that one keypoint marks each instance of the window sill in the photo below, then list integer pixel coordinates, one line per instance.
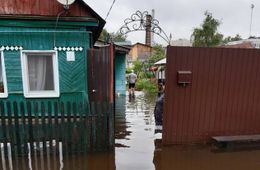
(3, 95)
(42, 94)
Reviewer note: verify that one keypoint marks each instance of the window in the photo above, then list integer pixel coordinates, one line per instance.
(3, 84)
(40, 74)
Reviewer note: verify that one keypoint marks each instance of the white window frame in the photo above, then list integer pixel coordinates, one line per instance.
(5, 94)
(40, 94)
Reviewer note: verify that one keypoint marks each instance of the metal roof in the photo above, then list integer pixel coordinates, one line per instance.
(161, 62)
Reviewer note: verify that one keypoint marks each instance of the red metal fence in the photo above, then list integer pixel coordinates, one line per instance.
(101, 74)
(101, 86)
(210, 92)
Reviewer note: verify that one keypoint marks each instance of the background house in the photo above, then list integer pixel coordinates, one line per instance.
(181, 42)
(140, 52)
(160, 72)
(121, 53)
(246, 43)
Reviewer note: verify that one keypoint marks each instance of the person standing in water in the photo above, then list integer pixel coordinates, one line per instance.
(132, 77)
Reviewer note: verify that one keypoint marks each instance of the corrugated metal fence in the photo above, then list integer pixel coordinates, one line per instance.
(211, 92)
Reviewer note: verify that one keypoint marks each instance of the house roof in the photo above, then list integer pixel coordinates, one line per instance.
(49, 10)
(142, 45)
(161, 62)
(118, 48)
(124, 43)
(246, 43)
(241, 45)
(181, 42)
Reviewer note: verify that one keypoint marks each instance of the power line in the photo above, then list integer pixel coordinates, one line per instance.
(110, 9)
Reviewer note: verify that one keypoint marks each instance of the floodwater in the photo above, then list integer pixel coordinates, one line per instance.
(137, 147)
(135, 133)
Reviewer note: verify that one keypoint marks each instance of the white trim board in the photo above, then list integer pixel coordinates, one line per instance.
(24, 65)
(5, 94)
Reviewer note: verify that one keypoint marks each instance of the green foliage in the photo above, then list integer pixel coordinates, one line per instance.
(117, 37)
(138, 67)
(128, 70)
(147, 85)
(145, 77)
(207, 35)
(158, 54)
(104, 35)
(229, 39)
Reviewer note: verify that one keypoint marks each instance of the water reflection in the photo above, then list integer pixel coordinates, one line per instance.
(200, 157)
(58, 161)
(139, 128)
(137, 147)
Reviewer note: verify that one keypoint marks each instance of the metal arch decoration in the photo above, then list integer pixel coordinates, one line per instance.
(138, 22)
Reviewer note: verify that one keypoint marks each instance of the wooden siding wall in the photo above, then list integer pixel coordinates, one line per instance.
(71, 74)
(222, 99)
(41, 8)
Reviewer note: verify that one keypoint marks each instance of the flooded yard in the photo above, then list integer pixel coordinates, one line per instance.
(137, 147)
(135, 133)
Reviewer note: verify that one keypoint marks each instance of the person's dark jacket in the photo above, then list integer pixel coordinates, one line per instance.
(158, 110)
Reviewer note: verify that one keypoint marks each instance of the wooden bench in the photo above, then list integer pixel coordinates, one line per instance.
(240, 141)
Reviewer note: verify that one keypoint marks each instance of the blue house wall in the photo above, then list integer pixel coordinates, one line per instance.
(120, 69)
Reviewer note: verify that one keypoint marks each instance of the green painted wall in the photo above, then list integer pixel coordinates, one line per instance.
(72, 75)
(120, 69)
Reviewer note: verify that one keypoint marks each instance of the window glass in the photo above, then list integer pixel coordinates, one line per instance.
(1, 77)
(3, 83)
(40, 74)
(40, 70)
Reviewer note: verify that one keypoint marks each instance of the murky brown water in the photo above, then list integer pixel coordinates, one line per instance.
(137, 148)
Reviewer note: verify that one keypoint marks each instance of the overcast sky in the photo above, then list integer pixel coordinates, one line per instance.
(180, 17)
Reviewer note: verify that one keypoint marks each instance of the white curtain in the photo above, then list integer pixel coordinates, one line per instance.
(1, 71)
(37, 68)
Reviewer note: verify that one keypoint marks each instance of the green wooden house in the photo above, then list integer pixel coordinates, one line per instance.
(49, 72)
(44, 50)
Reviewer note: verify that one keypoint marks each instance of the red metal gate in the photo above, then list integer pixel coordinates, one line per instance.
(101, 94)
(101, 74)
(210, 92)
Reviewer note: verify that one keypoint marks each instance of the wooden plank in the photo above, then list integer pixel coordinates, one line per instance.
(239, 138)
(45, 130)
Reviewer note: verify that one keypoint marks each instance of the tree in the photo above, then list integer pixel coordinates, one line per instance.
(158, 54)
(207, 35)
(229, 38)
(117, 37)
(142, 68)
(138, 67)
(104, 35)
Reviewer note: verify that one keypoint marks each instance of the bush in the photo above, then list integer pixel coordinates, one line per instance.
(128, 70)
(147, 86)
